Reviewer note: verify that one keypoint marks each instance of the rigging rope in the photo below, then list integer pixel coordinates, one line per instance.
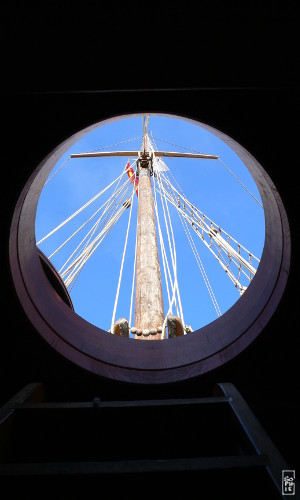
(248, 191)
(164, 255)
(82, 241)
(174, 285)
(133, 278)
(91, 151)
(174, 261)
(203, 224)
(122, 264)
(110, 204)
(56, 172)
(199, 262)
(87, 252)
(85, 223)
(206, 229)
(81, 260)
(115, 144)
(80, 209)
(222, 162)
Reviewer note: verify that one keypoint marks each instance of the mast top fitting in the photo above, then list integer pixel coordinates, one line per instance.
(145, 161)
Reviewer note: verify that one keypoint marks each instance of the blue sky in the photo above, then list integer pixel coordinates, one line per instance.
(206, 183)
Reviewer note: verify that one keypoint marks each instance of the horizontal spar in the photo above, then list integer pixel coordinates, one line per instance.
(98, 154)
(105, 153)
(185, 155)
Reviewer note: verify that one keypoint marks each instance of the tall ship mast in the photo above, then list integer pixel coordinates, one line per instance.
(148, 177)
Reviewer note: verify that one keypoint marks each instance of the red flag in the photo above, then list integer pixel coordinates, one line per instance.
(132, 176)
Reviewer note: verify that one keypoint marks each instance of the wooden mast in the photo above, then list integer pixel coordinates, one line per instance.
(149, 309)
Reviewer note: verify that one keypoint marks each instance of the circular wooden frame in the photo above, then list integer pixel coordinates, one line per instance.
(152, 362)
